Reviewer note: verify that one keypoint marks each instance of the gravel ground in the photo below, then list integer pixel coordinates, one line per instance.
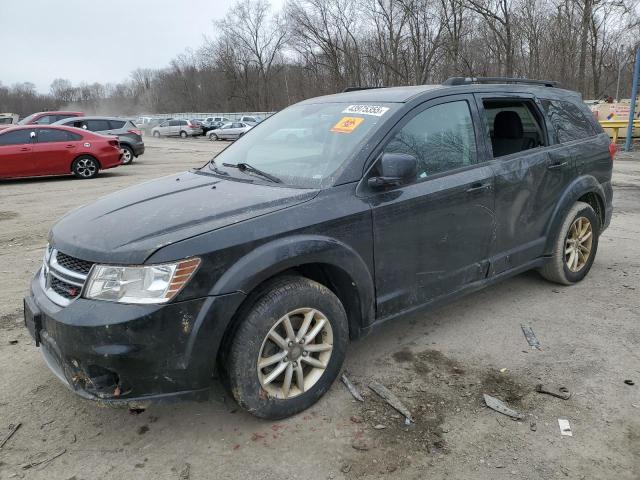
(438, 364)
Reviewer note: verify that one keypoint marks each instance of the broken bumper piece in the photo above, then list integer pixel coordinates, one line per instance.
(128, 354)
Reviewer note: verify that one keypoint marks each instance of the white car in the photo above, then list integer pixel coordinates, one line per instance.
(230, 131)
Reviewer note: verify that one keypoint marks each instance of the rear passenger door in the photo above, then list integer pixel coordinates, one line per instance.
(531, 175)
(54, 151)
(432, 236)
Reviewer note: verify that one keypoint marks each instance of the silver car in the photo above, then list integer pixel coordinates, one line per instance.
(177, 128)
(230, 131)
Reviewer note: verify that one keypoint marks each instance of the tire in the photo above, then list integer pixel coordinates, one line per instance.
(213, 137)
(565, 265)
(156, 134)
(85, 167)
(127, 154)
(183, 134)
(295, 298)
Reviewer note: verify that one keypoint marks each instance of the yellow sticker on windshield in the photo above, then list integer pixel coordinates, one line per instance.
(347, 124)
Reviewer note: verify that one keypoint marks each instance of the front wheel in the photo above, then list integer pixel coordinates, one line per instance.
(288, 349)
(85, 167)
(156, 134)
(183, 134)
(575, 247)
(213, 137)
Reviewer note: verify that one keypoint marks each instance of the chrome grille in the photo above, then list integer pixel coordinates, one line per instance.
(62, 276)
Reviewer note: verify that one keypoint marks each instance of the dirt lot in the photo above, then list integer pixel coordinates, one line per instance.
(439, 364)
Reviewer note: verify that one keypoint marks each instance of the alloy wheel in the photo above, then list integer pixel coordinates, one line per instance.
(578, 245)
(86, 167)
(295, 353)
(127, 155)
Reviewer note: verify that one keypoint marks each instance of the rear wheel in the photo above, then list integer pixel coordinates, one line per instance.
(85, 167)
(288, 349)
(127, 154)
(156, 134)
(183, 134)
(575, 247)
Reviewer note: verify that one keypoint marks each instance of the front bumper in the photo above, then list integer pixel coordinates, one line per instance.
(127, 354)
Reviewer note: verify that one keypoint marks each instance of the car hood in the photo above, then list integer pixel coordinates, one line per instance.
(126, 227)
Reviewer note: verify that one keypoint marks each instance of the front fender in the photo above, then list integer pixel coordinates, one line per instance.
(576, 189)
(283, 254)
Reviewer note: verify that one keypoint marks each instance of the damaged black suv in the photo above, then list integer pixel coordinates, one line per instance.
(321, 223)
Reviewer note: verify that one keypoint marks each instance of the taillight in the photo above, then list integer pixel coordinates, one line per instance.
(135, 132)
(612, 150)
(189, 124)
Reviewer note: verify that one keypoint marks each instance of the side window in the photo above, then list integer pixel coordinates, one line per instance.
(569, 123)
(46, 120)
(97, 125)
(117, 124)
(46, 135)
(73, 137)
(182, 122)
(17, 137)
(441, 138)
(236, 125)
(174, 123)
(514, 125)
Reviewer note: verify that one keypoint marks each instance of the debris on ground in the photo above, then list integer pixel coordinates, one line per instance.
(185, 473)
(379, 427)
(554, 390)
(360, 444)
(356, 419)
(45, 461)
(629, 382)
(346, 468)
(497, 405)
(392, 400)
(13, 342)
(136, 411)
(565, 428)
(13, 428)
(533, 426)
(352, 388)
(532, 340)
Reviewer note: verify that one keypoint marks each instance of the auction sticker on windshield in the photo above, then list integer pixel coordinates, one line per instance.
(375, 110)
(347, 124)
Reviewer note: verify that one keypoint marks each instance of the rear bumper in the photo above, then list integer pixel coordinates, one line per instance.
(138, 149)
(130, 354)
(608, 204)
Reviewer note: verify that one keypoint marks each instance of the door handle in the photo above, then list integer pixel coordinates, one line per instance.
(25, 149)
(69, 146)
(478, 187)
(555, 166)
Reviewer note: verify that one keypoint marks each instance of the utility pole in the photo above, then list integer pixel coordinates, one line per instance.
(634, 93)
(620, 65)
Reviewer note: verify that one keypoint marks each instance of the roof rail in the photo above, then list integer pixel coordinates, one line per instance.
(355, 89)
(471, 80)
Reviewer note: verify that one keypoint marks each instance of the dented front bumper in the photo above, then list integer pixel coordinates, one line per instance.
(128, 354)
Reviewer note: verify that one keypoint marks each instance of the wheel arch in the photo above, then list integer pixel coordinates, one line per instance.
(583, 189)
(321, 259)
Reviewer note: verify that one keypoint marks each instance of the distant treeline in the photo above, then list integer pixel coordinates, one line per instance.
(261, 60)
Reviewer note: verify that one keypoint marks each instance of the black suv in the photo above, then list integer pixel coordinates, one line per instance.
(266, 262)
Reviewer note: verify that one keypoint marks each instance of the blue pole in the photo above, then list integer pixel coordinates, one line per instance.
(632, 110)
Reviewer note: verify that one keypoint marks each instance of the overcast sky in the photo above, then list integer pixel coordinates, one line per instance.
(99, 41)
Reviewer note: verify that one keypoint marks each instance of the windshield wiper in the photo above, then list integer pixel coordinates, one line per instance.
(245, 167)
(214, 167)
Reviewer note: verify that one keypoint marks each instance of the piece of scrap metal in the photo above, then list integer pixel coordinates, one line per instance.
(352, 388)
(555, 390)
(499, 406)
(531, 337)
(392, 400)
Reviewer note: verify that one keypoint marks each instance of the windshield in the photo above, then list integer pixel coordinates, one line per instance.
(26, 120)
(305, 145)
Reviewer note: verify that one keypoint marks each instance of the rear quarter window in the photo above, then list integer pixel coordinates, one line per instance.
(117, 124)
(568, 121)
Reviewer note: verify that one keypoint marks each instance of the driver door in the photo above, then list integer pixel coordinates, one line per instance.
(432, 235)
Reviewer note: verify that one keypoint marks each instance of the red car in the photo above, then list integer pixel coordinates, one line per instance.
(34, 150)
(45, 118)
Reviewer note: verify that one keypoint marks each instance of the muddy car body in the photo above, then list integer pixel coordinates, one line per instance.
(282, 262)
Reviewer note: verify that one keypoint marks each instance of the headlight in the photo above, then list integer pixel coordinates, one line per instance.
(139, 284)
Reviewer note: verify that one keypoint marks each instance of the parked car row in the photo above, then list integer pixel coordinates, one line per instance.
(174, 127)
(72, 143)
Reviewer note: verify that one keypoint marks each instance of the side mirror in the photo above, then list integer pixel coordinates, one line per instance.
(395, 169)
(32, 135)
